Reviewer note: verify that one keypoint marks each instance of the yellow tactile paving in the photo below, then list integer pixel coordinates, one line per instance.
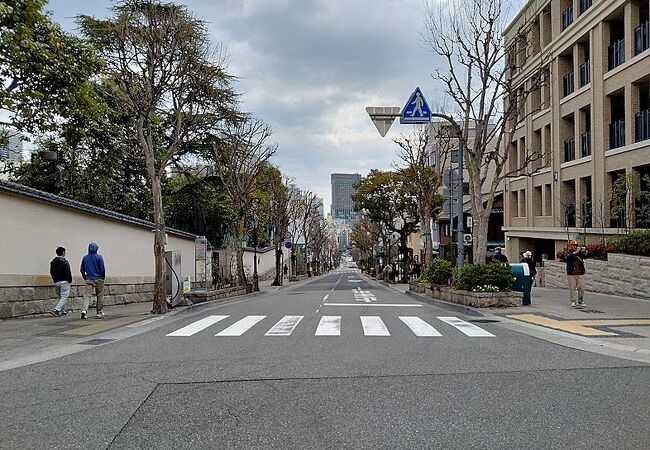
(97, 326)
(581, 327)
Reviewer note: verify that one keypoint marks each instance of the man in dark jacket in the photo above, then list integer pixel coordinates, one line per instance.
(62, 277)
(532, 271)
(575, 270)
(93, 273)
(500, 257)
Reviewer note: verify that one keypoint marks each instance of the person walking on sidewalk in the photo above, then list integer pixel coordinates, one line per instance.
(93, 273)
(62, 277)
(532, 271)
(575, 270)
(500, 257)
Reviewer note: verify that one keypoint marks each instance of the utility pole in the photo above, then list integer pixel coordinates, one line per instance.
(461, 220)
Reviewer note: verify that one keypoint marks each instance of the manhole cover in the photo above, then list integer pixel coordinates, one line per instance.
(97, 341)
(484, 320)
(591, 311)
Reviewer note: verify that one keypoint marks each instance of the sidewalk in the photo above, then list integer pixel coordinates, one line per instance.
(25, 341)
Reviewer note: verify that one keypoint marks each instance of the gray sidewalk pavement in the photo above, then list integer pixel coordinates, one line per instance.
(612, 325)
(33, 339)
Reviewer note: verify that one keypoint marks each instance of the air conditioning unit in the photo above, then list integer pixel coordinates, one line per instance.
(467, 238)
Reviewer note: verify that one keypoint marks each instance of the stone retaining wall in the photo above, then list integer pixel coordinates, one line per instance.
(26, 301)
(198, 297)
(624, 275)
(467, 298)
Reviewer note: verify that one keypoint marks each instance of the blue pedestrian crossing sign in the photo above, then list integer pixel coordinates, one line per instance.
(416, 109)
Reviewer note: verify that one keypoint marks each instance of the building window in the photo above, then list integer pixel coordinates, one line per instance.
(616, 54)
(567, 83)
(641, 38)
(642, 126)
(584, 5)
(617, 133)
(569, 149)
(567, 17)
(585, 144)
(584, 73)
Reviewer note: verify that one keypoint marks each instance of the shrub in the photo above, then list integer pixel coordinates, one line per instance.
(440, 271)
(634, 243)
(486, 288)
(472, 276)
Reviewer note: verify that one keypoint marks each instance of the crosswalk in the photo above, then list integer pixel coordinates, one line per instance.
(331, 326)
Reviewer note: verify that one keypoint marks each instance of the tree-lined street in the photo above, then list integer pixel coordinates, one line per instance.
(276, 370)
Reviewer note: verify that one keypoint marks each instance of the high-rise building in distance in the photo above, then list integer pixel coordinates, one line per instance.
(342, 190)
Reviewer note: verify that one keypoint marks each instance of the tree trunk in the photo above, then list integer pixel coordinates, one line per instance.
(479, 242)
(159, 300)
(240, 254)
(426, 228)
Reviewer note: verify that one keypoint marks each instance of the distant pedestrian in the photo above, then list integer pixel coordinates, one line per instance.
(285, 270)
(93, 273)
(62, 277)
(575, 270)
(532, 271)
(500, 257)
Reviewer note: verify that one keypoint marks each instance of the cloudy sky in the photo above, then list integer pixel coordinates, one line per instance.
(309, 68)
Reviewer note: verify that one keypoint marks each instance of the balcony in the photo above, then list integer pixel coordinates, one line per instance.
(642, 126)
(641, 38)
(616, 54)
(584, 5)
(585, 144)
(567, 83)
(567, 17)
(617, 133)
(584, 73)
(569, 150)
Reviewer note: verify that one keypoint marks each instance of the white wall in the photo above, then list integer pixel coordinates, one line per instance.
(30, 231)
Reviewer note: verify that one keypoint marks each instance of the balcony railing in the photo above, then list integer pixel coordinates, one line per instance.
(641, 37)
(567, 17)
(642, 126)
(617, 133)
(569, 150)
(567, 83)
(584, 73)
(616, 53)
(584, 5)
(585, 144)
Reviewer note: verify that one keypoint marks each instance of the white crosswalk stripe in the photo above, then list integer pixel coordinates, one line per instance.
(373, 326)
(241, 326)
(195, 327)
(465, 327)
(285, 326)
(331, 326)
(419, 327)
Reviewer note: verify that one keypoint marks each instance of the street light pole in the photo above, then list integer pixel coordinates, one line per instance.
(461, 220)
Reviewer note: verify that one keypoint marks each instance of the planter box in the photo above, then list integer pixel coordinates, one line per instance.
(467, 298)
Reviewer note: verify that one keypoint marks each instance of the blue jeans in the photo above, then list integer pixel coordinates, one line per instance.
(63, 291)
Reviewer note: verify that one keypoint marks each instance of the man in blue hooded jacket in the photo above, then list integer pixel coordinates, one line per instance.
(93, 273)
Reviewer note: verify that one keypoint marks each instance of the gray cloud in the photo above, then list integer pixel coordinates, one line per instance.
(309, 69)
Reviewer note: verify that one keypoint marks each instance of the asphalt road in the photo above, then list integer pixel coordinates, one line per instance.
(338, 362)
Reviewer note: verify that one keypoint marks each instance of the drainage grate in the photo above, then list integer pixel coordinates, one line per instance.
(484, 321)
(97, 341)
(591, 311)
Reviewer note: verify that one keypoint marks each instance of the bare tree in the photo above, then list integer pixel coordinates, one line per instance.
(309, 213)
(468, 35)
(424, 180)
(164, 73)
(241, 151)
(279, 202)
(295, 207)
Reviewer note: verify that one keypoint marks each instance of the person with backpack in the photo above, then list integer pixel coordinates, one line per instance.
(575, 270)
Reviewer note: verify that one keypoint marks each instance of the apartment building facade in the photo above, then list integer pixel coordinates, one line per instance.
(588, 121)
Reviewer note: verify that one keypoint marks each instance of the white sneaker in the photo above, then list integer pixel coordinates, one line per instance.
(582, 304)
(100, 315)
(83, 313)
(573, 304)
